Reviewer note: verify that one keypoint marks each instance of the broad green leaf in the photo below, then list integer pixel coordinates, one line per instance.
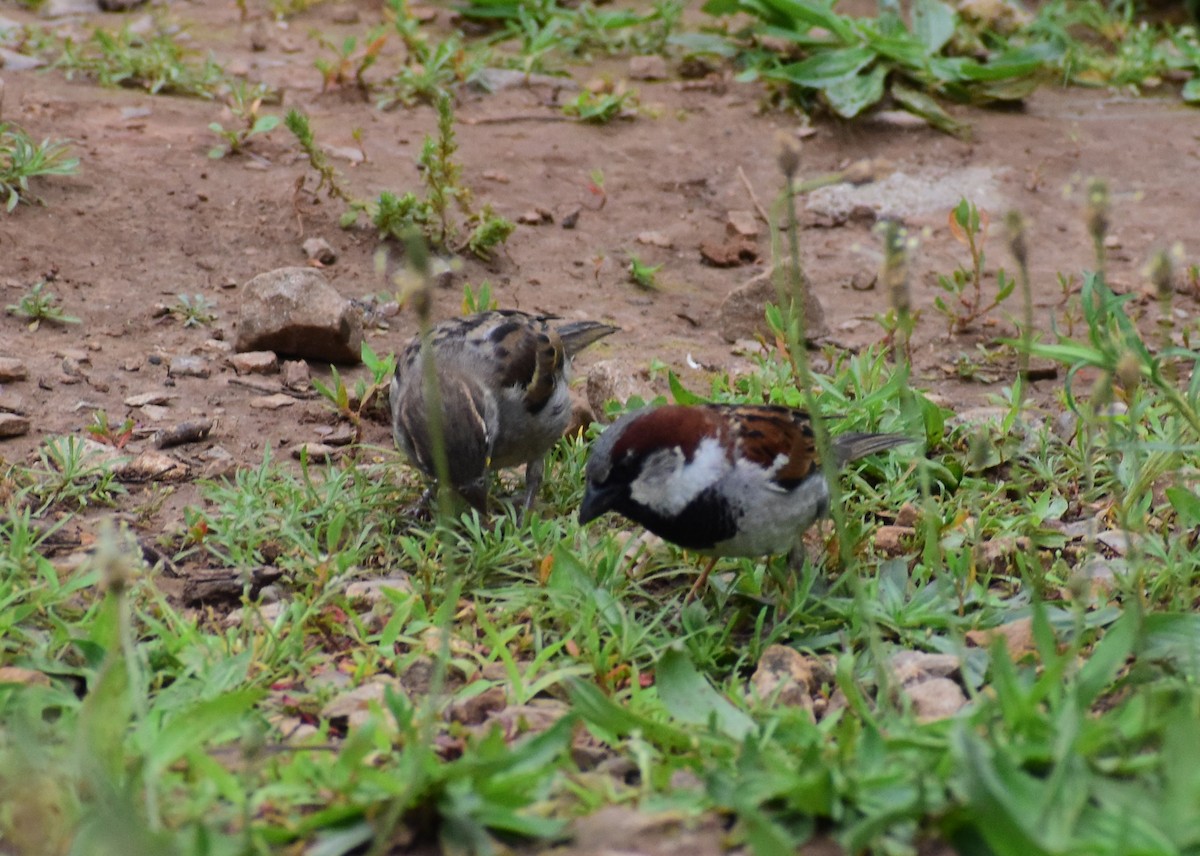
(850, 97)
(620, 721)
(1186, 505)
(1174, 638)
(691, 699)
(1191, 91)
(1016, 89)
(825, 68)
(1004, 800)
(933, 23)
(903, 49)
(1107, 658)
(681, 394)
(920, 104)
(797, 12)
(721, 7)
(1181, 768)
(703, 43)
(265, 123)
(342, 840)
(191, 728)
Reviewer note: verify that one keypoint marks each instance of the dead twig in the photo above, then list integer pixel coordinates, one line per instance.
(521, 117)
(762, 212)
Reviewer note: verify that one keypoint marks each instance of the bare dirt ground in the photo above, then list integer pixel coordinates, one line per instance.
(149, 217)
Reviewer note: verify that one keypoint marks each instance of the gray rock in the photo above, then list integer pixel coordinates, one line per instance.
(12, 403)
(609, 380)
(188, 366)
(295, 311)
(255, 362)
(786, 677)
(741, 315)
(899, 196)
(12, 369)
(12, 425)
(498, 79)
(648, 67)
(355, 705)
(296, 375)
(371, 591)
(913, 667)
(318, 249)
(14, 61)
(272, 402)
(64, 8)
(317, 453)
(936, 698)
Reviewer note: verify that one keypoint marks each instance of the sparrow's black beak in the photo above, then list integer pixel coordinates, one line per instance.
(597, 499)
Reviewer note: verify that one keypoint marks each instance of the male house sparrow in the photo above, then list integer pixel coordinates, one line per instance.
(502, 379)
(718, 479)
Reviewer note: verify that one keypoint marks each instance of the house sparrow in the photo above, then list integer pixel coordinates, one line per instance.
(719, 479)
(502, 379)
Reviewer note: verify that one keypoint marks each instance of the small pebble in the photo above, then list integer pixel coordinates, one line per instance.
(317, 452)
(12, 425)
(188, 366)
(255, 362)
(12, 369)
(272, 402)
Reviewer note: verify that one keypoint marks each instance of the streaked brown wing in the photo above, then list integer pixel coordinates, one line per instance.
(529, 355)
(765, 432)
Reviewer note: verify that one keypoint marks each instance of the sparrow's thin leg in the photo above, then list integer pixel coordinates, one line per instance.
(421, 510)
(534, 470)
(701, 581)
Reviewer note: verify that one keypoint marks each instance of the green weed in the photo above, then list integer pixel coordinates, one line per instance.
(431, 69)
(349, 63)
(849, 64)
(21, 159)
(643, 275)
(156, 63)
(964, 286)
(193, 311)
(38, 306)
(430, 216)
(600, 108)
(354, 405)
(244, 105)
(548, 34)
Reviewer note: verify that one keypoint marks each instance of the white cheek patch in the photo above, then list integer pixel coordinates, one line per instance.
(668, 484)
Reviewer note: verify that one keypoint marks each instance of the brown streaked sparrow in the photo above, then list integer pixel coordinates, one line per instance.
(719, 479)
(502, 379)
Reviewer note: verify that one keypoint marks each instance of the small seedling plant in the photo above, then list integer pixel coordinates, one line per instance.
(349, 63)
(354, 405)
(194, 311)
(478, 299)
(39, 306)
(600, 108)
(244, 104)
(965, 303)
(480, 231)
(116, 436)
(155, 62)
(22, 159)
(432, 68)
(643, 275)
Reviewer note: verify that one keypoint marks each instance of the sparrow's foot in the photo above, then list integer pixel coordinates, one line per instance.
(701, 581)
(420, 511)
(534, 472)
